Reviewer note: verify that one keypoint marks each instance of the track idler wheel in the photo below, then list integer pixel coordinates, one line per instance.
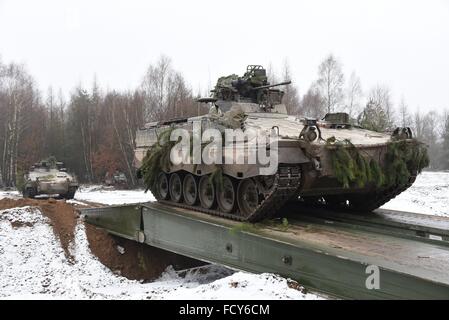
(70, 193)
(29, 193)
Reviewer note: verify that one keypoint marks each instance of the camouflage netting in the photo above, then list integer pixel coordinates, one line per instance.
(224, 89)
(233, 118)
(402, 160)
(226, 81)
(157, 158)
(351, 167)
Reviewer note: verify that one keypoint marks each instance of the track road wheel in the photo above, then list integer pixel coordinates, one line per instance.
(70, 193)
(175, 187)
(206, 192)
(162, 191)
(247, 197)
(190, 190)
(29, 193)
(226, 197)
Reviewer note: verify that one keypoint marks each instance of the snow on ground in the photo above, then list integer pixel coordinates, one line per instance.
(12, 194)
(428, 195)
(33, 266)
(110, 196)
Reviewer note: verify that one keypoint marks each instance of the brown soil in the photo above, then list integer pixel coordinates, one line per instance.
(137, 261)
(18, 224)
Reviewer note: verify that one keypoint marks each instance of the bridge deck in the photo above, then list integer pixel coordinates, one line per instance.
(324, 252)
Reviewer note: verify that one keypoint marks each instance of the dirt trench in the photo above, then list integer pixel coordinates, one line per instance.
(125, 257)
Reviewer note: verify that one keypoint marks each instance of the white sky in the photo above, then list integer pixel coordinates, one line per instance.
(403, 44)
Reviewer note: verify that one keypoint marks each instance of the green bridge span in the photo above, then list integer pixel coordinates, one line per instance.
(336, 254)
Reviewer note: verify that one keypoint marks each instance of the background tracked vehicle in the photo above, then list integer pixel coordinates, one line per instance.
(49, 177)
(116, 179)
(325, 161)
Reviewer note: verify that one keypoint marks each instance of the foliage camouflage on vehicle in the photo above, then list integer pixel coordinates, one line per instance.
(402, 161)
(328, 161)
(156, 158)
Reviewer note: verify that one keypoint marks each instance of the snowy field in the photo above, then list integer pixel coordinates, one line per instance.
(428, 195)
(107, 195)
(33, 264)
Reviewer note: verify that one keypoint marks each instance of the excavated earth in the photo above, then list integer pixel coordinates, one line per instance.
(125, 257)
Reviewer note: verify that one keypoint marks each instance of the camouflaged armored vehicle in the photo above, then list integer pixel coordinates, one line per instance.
(116, 179)
(326, 161)
(49, 177)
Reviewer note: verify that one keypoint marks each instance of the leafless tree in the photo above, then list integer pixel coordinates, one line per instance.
(166, 93)
(154, 87)
(430, 136)
(312, 104)
(417, 124)
(330, 83)
(354, 94)
(404, 115)
(380, 95)
(291, 97)
(271, 74)
(18, 97)
(445, 141)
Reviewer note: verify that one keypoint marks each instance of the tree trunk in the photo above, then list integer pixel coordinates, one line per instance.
(124, 153)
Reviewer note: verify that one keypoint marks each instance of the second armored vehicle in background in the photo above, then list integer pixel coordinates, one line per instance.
(49, 177)
(116, 179)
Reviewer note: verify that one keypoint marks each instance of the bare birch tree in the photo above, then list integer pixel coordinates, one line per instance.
(380, 95)
(330, 83)
(404, 114)
(291, 97)
(354, 94)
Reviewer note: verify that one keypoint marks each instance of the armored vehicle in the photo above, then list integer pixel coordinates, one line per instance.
(328, 161)
(49, 177)
(116, 179)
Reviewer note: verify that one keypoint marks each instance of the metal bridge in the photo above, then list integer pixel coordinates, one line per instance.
(325, 251)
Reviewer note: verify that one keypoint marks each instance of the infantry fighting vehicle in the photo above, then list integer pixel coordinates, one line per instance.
(328, 161)
(49, 177)
(116, 179)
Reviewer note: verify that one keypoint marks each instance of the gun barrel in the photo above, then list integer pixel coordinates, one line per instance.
(273, 85)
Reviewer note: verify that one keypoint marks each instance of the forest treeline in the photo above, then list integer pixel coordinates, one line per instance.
(93, 131)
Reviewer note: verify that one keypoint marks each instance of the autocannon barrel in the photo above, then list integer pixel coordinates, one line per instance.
(272, 85)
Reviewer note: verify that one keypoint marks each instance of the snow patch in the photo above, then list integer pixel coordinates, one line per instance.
(33, 266)
(110, 196)
(428, 195)
(11, 194)
(24, 215)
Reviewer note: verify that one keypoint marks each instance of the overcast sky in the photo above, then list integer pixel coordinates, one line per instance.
(403, 44)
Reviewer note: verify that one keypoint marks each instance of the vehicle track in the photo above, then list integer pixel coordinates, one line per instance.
(286, 184)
